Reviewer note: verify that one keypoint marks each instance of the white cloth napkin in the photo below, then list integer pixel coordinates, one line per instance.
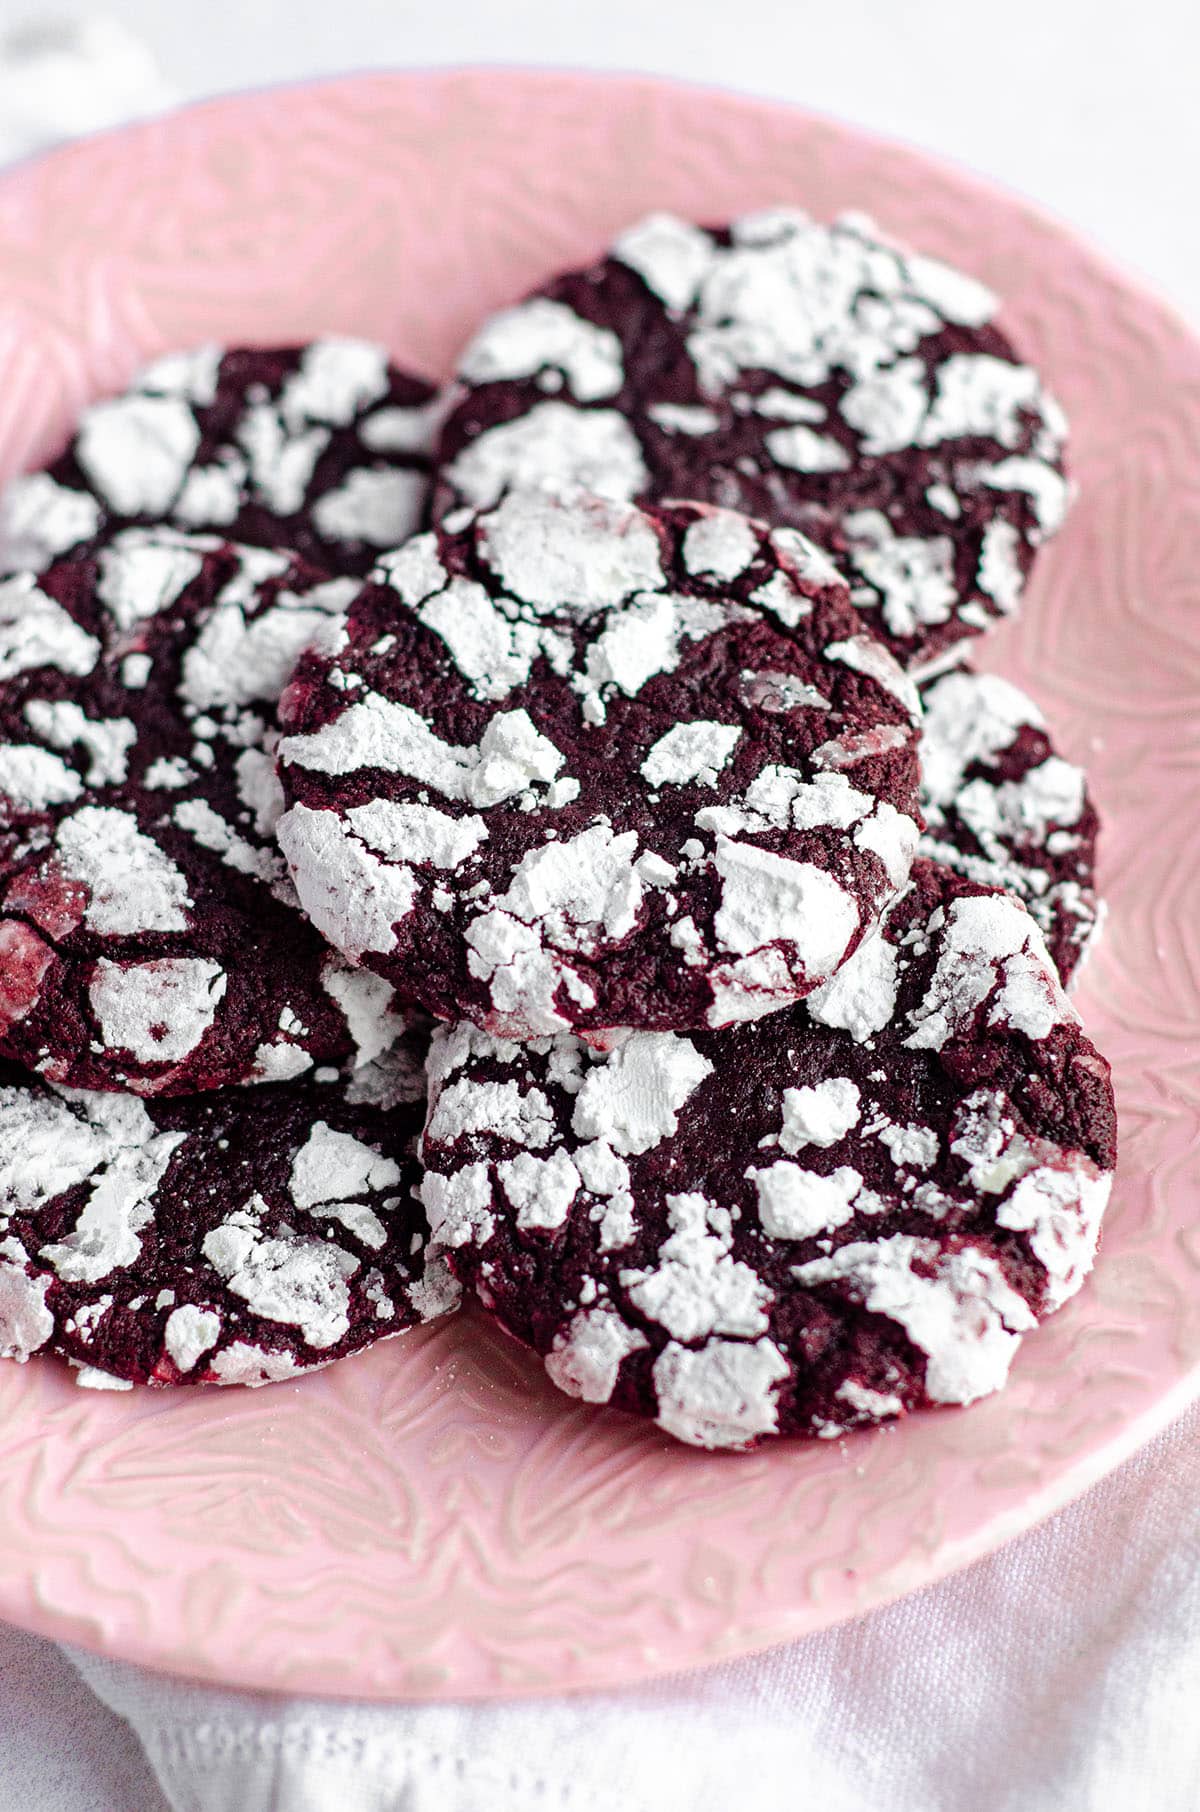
(1060, 1675)
(62, 77)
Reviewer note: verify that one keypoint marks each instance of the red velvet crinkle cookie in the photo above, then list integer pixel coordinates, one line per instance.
(819, 1221)
(1002, 806)
(322, 448)
(150, 937)
(578, 766)
(230, 1238)
(811, 375)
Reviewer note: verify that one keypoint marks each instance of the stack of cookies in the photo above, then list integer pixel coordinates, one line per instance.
(543, 837)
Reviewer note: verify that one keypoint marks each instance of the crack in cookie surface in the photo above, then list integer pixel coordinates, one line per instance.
(582, 765)
(852, 1208)
(237, 1237)
(150, 935)
(808, 374)
(322, 449)
(1002, 806)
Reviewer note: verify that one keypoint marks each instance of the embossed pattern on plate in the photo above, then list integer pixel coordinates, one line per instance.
(433, 1519)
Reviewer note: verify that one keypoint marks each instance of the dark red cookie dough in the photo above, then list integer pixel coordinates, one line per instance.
(150, 937)
(322, 448)
(230, 1238)
(577, 765)
(815, 1222)
(1003, 807)
(808, 374)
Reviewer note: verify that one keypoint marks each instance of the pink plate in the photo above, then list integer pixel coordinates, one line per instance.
(432, 1519)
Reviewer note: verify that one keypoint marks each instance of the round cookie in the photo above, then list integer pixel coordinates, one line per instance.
(811, 375)
(150, 937)
(842, 1212)
(238, 1237)
(1002, 806)
(579, 766)
(322, 448)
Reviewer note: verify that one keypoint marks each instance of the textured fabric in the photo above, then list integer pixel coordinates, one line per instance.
(1061, 1673)
(60, 77)
(61, 1749)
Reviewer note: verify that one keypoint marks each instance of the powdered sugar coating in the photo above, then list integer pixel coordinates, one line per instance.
(804, 373)
(566, 770)
(795, 1226)
(233, 1237)
(152, 934)
(322, 449)
(1002, 806)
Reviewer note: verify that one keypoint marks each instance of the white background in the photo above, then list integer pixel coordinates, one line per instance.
(1089, 109)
